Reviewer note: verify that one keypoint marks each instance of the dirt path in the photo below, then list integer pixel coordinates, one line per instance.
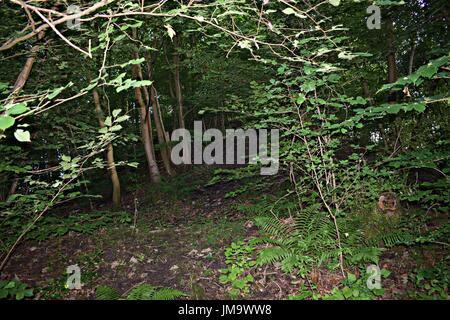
(177, 244)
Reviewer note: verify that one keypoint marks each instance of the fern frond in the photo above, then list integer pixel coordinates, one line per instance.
(393, 239)
(140, 292)
(271, 255)
(168, 294)
(106, 293)
(272, 226)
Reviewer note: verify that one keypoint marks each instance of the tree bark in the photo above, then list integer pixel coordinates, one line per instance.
(21, 80)
(148, 121)
(392, 77)
(160, 130)
(178, 93)
(411, 57)
(146, 138)
(392, 66)
(109, 154)
(26, 70)
(146, 127)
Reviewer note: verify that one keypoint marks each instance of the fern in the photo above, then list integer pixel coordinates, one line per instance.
(272, 254)
(307, 239)
(149, 292)
(106, 293)
(141, 292)
(394, 238)
(167, 294)
(406, 236)
(272, 226)
(310, 239)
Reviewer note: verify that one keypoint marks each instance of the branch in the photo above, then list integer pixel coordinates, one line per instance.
(12, 42)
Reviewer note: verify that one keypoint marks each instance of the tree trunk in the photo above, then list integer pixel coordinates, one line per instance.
(178, 94)
(411, 57)
(18, 86)
(148, 121)
(146, 127)
(26, 70)
(392, 77)
(160, 130)
(392, 66)
(148, 146)
(109, 154)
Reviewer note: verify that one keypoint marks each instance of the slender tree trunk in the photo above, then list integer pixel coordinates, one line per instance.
(178, 94)
(146, 127)
(148, 146)
(175, 121)
(13, 187)
(148, 121)
(392, 77)
(411, 57)
(392, 65)
(109, 153)
(26, 70)
(172, 94)
(159, 125)
(152, 97)
(18, 86)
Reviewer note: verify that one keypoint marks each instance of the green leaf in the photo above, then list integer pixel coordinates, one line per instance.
(378, 292)
(347, 292)
(117, 127)
(385, 273)
(122, 118)
(170, 31)
(108, 121)
(300, 99)
(6, 122)
(289, 11)
(22, 136)
(334, 2)
(395, 108)
(351, 277)
(420, 107)
(3, 86)
(133, 62)
(116, 112)
(20, 295)
(55, 92)
(17, 109)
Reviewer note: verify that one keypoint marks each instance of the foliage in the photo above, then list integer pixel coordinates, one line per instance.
(356, 288)
(140, 292)
(307, 240)
(350, 288)
(14, 289)
(56, 226)
(431, 283)
(238, 258)
(313, 71)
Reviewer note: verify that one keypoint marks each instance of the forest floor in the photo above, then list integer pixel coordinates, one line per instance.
(177, 240)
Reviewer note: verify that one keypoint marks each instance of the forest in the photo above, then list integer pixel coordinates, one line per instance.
(224, 150)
